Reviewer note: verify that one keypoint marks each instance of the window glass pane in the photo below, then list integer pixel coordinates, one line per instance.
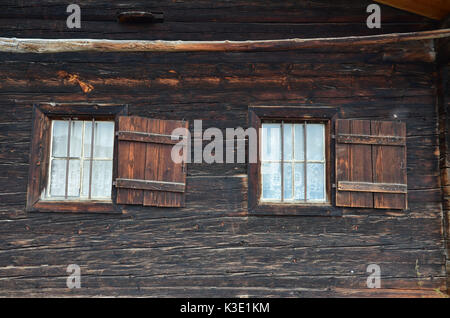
(299, 146)
(299, 181)
(315, 181)
(76, 135)
(287, 142)
(74, 178)
(101, 178)
(60, 131)
(271, 142)
(287, 181)
(315, 142)
(59, 135)
(58, 177)
(271, 181)
(103, 139)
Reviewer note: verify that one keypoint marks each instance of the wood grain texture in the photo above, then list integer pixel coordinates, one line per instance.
(159, 165)
(131, 159)
(389, 164)
(30, 45)
(353, 163)
(371, 163)
(213, 247)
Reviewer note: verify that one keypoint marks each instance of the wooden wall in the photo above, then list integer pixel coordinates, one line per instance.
(211, 247)
(443, 103)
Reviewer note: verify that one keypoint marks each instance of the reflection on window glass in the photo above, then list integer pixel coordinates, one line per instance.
(293, 162)
(70, 169)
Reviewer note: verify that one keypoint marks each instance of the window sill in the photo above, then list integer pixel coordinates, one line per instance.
(289, 209)
(75, 207)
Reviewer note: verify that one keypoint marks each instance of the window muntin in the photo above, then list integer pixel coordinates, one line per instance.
(293, 163)
(73, 173)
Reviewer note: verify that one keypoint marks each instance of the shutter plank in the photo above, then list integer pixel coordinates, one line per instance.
(342, 163)
(131, 160)
(160, 167)
(389, 164)
(353, 163)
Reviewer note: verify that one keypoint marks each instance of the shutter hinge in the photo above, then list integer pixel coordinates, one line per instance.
(333, 136)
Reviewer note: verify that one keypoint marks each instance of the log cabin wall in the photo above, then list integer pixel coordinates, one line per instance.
(211, 247)
(443, 103)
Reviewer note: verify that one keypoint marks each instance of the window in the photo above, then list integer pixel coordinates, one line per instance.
(311, 163)
(294, 172)
(81, 160)
(73, 159)
(93, 158)
(293, 165)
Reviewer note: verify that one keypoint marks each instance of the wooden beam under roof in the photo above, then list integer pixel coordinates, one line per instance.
(434, 9)
(16, 45)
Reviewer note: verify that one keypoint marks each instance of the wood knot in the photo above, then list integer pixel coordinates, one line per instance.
(75, 79)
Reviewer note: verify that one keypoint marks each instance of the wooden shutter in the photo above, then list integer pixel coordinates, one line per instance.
(147, 174)
(371, 164)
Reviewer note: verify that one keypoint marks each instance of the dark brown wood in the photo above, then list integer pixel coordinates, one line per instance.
(140, 17)
(254, 169)
(147, 137)
(214, 240)
(38, 157)
(443, 93)
(371, 171)
(150, 185)
(76, 207)
(145, 154)
(389, 165)
(159, 165)
(370, 140)
(371, 187)
(131, 160)
(353, 163)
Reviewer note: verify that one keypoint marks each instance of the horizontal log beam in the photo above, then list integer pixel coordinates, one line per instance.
(370, 140)
(371, 187)
(15, 45)
(149, 185)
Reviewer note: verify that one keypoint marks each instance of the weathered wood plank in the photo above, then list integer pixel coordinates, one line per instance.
(30, 45)
(146, 137)
(371, 187)
(150, 185)
(370, 140)
(132, 160)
